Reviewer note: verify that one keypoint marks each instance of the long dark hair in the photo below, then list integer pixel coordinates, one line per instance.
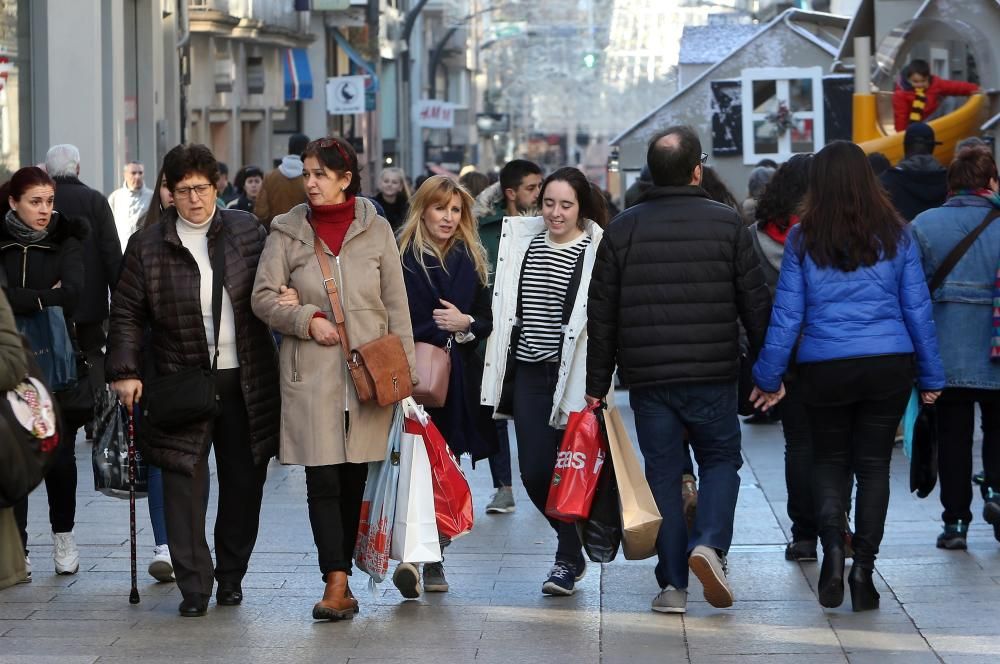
(783, 194)
(847, 219)
(717, 189)
(592, 205)
(155, 211)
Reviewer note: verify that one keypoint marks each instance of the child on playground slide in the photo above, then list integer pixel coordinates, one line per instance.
(918, 94)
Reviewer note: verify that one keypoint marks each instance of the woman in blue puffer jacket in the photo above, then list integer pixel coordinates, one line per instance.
(852, 293)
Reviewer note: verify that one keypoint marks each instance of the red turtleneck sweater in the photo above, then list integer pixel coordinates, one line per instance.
(332, 221)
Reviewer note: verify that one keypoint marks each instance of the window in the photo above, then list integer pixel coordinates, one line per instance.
(255, 75)
(782, 112)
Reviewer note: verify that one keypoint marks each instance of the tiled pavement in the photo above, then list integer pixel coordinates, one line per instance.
(937, 606)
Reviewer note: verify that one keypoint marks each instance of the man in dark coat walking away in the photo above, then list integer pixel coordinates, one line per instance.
(102, 252)
(919, 182)
(674, 278)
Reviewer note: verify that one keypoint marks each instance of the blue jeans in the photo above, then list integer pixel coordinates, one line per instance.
(157, 518)
(708, 412)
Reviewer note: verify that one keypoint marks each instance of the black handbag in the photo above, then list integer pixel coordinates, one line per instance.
(77, 401)
(188, 396)
(26, 454)
(924, 459)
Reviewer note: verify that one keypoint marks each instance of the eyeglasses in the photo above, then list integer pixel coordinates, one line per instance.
(704, 158)
(199, 189)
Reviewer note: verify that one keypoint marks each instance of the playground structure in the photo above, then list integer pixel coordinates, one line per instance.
(873, 123)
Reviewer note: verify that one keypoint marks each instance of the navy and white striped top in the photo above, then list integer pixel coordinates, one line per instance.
(548, 268)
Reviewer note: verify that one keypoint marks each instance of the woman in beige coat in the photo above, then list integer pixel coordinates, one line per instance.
(323, 426)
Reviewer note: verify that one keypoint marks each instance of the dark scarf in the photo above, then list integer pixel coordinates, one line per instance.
(23, 233)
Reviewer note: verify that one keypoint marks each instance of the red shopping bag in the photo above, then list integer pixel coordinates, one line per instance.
(578, 468)
(452, 495)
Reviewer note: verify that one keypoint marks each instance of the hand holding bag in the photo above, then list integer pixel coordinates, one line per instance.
(379, 368)
(640, 517)
(414, 528)
(578, 467)
(378, 508)
(452, 495)
(434, 370)
(188, 396)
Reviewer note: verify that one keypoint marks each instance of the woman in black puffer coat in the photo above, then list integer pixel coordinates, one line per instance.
(41, 256)
(166, 287)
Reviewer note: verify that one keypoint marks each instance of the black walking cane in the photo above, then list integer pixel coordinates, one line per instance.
(133, 597)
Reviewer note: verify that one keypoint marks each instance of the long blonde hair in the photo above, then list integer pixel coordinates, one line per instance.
(413, 236)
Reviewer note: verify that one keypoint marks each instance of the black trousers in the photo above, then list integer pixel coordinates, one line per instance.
(334, 494)
(538, 445)
(241, 488)
(956, 420)
(60, 486)
(854, 407)
(798, 463)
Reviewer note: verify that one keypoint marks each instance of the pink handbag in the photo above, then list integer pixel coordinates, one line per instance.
(434, 370)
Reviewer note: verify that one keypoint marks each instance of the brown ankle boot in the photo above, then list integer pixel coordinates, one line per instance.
(338, 603)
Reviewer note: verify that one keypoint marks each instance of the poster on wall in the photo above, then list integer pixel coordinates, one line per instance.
(727, 118)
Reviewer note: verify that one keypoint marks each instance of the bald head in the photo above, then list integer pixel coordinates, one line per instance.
(674, 157)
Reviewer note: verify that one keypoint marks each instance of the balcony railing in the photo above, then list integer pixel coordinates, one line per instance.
(277, 13)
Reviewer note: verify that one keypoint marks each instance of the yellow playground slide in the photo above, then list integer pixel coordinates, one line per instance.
(874, 128)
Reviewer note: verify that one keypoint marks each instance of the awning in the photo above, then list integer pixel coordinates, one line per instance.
(355, 57)
(298, 76)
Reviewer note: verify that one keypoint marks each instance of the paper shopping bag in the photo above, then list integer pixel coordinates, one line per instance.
(640, 517)
(414, 530)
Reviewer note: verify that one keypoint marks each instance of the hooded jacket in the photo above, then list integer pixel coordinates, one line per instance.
(159, 291)
(317, 394)
(918, 183)
(31, 271)
(102, 251)
(283, 189)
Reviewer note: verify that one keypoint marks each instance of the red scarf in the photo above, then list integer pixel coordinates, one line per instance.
(776, 232)
(332, 221)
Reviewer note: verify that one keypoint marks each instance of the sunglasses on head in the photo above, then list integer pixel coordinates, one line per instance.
(325, 143)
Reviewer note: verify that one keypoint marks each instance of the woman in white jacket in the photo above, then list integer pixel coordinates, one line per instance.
(536, 357)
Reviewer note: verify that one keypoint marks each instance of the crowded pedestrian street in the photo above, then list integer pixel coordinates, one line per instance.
(937, 605)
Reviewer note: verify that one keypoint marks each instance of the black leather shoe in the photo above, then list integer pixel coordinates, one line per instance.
(193, 606)
(864, 597)
(801, 551)
(229, 596)
(831, 578)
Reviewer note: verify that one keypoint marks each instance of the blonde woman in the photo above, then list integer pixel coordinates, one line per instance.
(446, 274)
(394, 196)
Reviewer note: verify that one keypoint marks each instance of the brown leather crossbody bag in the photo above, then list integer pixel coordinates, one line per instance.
(379, 368)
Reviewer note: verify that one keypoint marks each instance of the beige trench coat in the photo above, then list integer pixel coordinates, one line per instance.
(316, 389)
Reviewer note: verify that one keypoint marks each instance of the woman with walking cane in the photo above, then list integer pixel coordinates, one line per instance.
(188, 279)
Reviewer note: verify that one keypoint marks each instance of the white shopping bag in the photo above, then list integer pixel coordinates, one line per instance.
(414, 532)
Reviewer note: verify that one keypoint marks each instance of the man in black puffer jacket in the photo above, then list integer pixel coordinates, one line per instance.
(674, 277)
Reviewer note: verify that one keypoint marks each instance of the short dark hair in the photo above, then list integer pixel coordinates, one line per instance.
(784, 192)
(223, 169)
(591, 200)
(917, 66)
(879, 163)
(972, 168)
(475, 182)
(190, 159)
(516, 170)
(297, 143)
(337, 155)
(673, 165)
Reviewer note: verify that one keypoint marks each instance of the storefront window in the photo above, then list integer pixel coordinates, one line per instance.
(15, 112)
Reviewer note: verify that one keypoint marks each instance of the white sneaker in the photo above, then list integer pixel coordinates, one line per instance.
(65, 554)
(671, 600)
(161, 568)
(27, 571)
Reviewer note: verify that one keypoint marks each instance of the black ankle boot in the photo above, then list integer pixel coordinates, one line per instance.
(864, 597)
(831, 577)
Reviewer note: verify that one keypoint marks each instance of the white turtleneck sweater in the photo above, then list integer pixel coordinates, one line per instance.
(194, 237)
